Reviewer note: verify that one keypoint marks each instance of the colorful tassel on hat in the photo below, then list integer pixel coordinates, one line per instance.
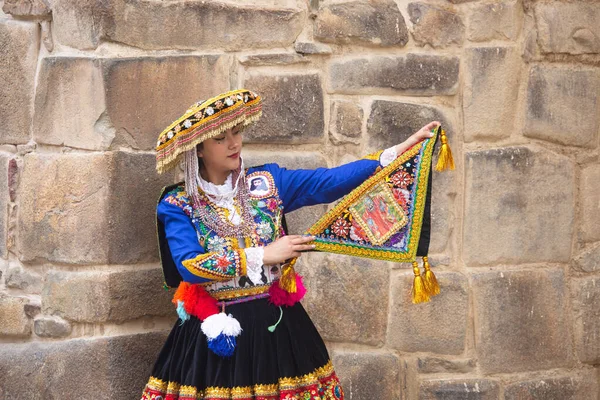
(419, 291)
(445, 159)
(221, 331)
(429, 279)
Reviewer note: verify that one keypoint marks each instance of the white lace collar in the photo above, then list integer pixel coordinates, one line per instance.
(223, 195)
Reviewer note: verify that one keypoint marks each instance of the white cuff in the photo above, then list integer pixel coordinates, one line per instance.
(387, 156)
(254, 263)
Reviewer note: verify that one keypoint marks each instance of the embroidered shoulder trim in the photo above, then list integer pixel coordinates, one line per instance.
(373, 156)
(178, 197)
(218, 266)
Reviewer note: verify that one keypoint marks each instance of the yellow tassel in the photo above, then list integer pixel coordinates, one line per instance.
(445, 159)
(288, 277)
(431, 283)
(419, 292)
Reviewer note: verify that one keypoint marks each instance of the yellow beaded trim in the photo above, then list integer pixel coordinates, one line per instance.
(366, 186)
(241, 292)
(194, 265)
(243, 392)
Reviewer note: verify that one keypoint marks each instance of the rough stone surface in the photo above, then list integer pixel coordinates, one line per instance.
(459, 389)
(522, 320)
(346, 120)
(392, 122)
(145, 94)
(581, 385)
(373, 22)
(83, 210)
(562, 105)
(433, 365)
(15, 321)
(506, 201)
(102, 296)
(588, 260)
(19, 278)
(55, 327)
(436, 27)
(439, 326)
(443, 216)
(48, 370)
(292, 109)
(27, 8)
(412, 74)
(357, 311)
(175, 25)
(4, 199)
(368, 375)
(66, 112)
(495, 21)
(590, 203)
(491, 92)
(272, 59)
(568, 27)
(312, 48)
(586, 293)
(19, 42)
(65, 221)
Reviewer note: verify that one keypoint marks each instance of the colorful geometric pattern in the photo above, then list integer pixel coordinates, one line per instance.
(220, 266)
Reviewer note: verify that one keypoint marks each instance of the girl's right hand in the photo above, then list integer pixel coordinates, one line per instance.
(287, 247)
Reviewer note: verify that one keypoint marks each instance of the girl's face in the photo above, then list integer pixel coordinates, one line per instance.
(221, 154)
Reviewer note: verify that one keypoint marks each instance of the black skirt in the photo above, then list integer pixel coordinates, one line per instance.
(289, 363)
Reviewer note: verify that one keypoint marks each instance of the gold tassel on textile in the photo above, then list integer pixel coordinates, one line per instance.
(431, 283)
(445, 159)
(419, 292)
(288, 277)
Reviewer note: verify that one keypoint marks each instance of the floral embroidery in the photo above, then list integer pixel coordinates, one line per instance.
(216, 243)
(402, 179)
(218, 266)
(264, 230)
(341, 227)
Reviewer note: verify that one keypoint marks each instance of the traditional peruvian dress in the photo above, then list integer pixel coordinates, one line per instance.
(277, 353)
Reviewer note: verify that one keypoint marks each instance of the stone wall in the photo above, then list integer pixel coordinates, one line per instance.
(86, 86)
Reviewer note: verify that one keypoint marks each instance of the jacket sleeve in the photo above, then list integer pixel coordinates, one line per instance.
(304, 187)
(193, 263)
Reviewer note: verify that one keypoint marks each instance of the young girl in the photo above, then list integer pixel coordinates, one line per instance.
(242, 334)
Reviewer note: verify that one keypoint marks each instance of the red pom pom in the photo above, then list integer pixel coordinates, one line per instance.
(280, 297)
(196, 300)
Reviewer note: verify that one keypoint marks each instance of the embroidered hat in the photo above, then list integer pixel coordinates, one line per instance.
(204, 120)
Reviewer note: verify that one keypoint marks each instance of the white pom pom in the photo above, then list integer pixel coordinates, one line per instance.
(219, 323)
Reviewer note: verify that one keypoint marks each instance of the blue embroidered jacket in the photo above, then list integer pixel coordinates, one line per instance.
(193, 253)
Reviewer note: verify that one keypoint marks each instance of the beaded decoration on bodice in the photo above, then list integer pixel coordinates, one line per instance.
(264, 207)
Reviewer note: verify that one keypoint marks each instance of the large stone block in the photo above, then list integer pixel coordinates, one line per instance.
(586, 293)
(145, 94)
(292, 109)
(392, 122)
(495, 21)
(580, 385)
(590, 203)
(24, 279)
(89, 208)
(562, 105)
(27, 8)
(568, 27)
(491, 91)
(367, 376)
(107, 368)
(459, 389)
(522, 320)
(411, 74)
(4, 199)
(69, 103)
(15, 321)
(104, 296)
(433, 365)
(346, 119)
(46, 326)
(175, 25)
(347, 298)
(434, 26)
(439, 326)
(371, 22)
(519, 206)
(19, 42)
